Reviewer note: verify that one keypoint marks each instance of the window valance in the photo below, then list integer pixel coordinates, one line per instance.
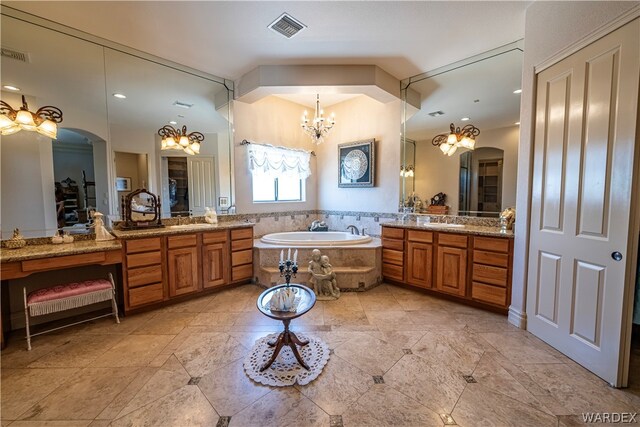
(277, 161)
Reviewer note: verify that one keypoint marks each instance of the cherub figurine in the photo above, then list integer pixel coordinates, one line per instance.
(323, 279)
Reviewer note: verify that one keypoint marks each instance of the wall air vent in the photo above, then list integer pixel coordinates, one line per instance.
(287, 25)
(437, 113)
(14, 54)
(182, 105)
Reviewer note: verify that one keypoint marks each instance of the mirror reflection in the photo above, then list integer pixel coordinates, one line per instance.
(483, 93)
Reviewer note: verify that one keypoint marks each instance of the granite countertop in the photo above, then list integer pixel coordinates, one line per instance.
(179, 229)
(50, 250)
(476, 230)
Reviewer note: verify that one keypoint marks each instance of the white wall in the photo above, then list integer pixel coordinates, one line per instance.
(359, 119)
(435, 172)
(274, 121)
(550, 27)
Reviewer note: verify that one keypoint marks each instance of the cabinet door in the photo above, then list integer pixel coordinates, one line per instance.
(420, 264)
(214, 264)
(183, 271)
(451, 270)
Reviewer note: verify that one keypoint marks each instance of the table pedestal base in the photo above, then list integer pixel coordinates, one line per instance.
(286, 338)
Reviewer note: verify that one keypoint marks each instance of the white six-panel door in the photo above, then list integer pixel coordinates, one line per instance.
(201, 184)
(586, 112)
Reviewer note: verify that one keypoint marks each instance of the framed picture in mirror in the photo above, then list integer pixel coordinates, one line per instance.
(123, 184)
(356, 164)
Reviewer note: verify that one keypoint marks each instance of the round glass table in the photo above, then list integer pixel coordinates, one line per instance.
(286, 337)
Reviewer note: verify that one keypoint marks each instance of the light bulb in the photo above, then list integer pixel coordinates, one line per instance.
(184, 141)
(48, 128)
(10, 130)
(6, 122)
(25, 120)
(170, 142)
(195, 147)
(445, 148)
(452, 150)
(189, 151)
(452, 139)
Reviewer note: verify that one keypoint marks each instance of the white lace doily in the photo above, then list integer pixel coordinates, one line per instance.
(286, 370)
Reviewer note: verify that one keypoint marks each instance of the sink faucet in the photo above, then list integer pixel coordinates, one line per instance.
(354, 229)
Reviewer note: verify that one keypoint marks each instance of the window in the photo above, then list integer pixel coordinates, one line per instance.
(278, 173)
(284, 188)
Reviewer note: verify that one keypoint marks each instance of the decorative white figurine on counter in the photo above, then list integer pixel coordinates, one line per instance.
(323, 279)
(507, 218)
(17, 241)
(210, 216)
(67, 237)
(57, 238)
(285, 299)
(102, 234)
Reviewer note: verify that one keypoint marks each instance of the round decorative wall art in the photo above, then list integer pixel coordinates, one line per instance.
(355, 164)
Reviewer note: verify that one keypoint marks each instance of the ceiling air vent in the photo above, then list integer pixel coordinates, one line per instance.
(182, 104)
(287, 25)
(437, 113)
(14, 54)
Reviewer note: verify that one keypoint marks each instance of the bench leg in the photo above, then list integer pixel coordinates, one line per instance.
(26, 319)
(114, 304)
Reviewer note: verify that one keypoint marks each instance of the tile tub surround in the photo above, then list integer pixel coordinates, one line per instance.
(139, 374)
(357, 267)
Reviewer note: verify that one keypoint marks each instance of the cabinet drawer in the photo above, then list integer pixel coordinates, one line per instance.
(420, 236)
(491, 244)
(240, 245)
(397, 245)
(242, 257)
(242, 233)
(144, 259)
(145, 295)
(454, 240)
(214, 237)
(241, 272)
(391, 271)
(488, 274)
(392, 257)
(143, 245)
(491, 258)
(393, 233)
(490, 294)
(144, 276)
(182, 241)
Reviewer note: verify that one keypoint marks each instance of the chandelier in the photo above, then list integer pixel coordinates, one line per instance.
(179, 139)
(44, 121)
(463, 138)
(318, 129)
(407, 171)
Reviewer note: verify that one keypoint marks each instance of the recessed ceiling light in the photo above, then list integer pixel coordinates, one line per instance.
(517, 123)
(173, 122)
(119, 95)
(517, 91)
(464, 119)
(13, 88)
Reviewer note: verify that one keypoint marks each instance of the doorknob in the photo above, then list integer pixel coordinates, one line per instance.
(616, 255)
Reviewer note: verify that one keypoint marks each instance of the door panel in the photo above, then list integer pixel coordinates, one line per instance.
(201, 184)
(584, 148)
(420, 264)
(215, 268)
(183, 271)
(451, 270)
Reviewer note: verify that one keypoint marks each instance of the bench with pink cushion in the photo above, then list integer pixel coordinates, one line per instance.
(68, 296)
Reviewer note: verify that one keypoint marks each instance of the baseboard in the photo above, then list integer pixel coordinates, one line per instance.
(517, 318)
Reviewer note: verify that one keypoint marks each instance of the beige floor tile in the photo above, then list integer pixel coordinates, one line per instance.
(213, 319)
(485, 322)
(165, 323)
(16, 354)
(369, 354)
(123, 399)
(457, 349)
(23, 388)
(282, 407)
(203, 353)
(52, 423)
(79, 351)
(339, 386)
(255, 318)
(435, 320)
(184, 407)
(345, 318)
(195, 305)
(479, 405)
(230, 390)
(133, 350)
(378, 300)
(399, 339)
(391, 320)
(437, 387)
(248, 339)
(348, 301)
(516, 347)
(228, 302)
(384, 406)
(84, 396)
(106, 325)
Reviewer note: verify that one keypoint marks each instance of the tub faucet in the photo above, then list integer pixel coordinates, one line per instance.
(353, 228)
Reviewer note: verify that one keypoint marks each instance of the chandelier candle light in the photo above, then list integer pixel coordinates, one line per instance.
(176, 139)
(44, 121)
(318, 129)
(463, 138)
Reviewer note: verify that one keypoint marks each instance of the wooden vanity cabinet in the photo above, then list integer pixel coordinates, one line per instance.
(215, 256)
(491, 272)
(143, 276)
(182, 264)
(451, 264)
(420, 258)
(393, 253)
(241, 254)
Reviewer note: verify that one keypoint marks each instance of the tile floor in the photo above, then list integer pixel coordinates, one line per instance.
(400, 358)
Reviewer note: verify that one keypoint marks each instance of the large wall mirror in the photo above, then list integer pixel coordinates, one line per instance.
(482, 91)
(48, 184)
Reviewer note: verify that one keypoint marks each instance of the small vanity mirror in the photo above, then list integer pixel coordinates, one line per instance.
(141, 210)
(484, 92)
